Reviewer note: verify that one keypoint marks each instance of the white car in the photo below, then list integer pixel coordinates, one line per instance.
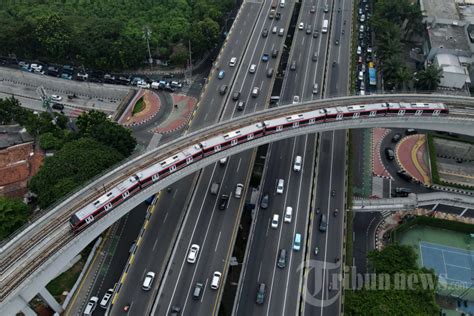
(280, 186)
(150, 276)
(193, 253)
(90, 307)
(223, 161)
(288, 214)
(233, 61)
(361, 75)
(359, 50)
(56, 97)
(252, 68)
(238, 190)
(296, 99)
(106, 298)
(275, 219)
(297, 163)
(301, 26)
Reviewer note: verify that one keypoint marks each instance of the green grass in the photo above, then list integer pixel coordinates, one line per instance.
(65, 281)
(139, 106)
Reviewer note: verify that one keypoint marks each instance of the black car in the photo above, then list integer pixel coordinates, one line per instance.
(389, 153)
(175, 311)
(264, 202)
(396, 138)
(411, 131)
(236, 95)
(275, 53)
(403, 192)
(223, 202)
(58, 106)
(278, 15)
(265, 32)
(404, 175)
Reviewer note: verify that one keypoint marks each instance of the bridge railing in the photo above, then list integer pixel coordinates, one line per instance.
(182, 142)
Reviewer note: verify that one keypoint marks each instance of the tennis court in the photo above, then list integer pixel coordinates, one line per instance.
(453, 265)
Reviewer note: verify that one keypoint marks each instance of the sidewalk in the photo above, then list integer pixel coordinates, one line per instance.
(179, 116)
(378, 168)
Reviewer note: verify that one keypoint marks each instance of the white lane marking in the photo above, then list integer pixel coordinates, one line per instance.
(238, 165)
(166, 217)
(279, 236)
(154, 245)
(323, 286)
(175, 192)
(217, 243)
(204, 289)
(259, 272)
(294, 228)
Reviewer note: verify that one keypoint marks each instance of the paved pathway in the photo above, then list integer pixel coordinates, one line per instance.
(180, 114)
(378, 168)
(413, 157)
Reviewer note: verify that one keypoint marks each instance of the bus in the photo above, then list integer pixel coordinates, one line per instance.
(325, 26)
(372, 75)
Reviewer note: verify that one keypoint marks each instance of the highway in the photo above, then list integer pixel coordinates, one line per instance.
(162, 233)
(321, 283)
(283, 285)
(214, 230)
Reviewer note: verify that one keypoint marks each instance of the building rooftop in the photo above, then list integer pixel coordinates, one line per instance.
(448, 37)
(440, 9)
(11, 135)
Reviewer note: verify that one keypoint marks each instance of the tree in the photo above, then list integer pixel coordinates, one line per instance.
(48, 141)
(429, 78)
(13, 214)
(390, 68)
(394, 258)
(403, 76)
(53, 35)
(75, 163)
(95, 124)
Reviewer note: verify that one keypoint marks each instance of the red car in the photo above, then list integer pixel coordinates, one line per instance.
(360, 59)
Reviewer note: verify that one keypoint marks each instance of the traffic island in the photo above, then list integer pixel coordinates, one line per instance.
(412, 157)
(142, 109)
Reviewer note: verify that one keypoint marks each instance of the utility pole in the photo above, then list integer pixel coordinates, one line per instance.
(146, 35)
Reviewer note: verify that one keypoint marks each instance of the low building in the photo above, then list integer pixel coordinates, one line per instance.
(20, 159)
(454, 74)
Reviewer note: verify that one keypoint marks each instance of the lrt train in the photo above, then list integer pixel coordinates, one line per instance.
(160, 170)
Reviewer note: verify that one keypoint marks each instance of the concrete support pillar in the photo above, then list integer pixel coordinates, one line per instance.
(28, 311)
(435, 206)
(50, 300)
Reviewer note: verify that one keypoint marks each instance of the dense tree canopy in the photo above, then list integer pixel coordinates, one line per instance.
(394, 297)
(75, 163)
(108, 34)
(13, 214)
(95, 124)
(429, 79)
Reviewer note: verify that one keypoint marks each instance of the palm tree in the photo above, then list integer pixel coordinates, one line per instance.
(403, 75)
(429, 78)
(390, 68)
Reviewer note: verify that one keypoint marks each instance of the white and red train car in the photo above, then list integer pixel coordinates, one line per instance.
(164, 168)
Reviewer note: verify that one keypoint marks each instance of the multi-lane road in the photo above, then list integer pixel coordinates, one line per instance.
(189, 208)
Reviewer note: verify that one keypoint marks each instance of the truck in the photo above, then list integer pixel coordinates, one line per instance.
(274, 4)
(372, 75)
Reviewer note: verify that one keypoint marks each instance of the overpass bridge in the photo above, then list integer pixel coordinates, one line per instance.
(34, 255)
(413, 201)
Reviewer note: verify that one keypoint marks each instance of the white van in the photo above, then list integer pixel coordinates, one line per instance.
(297, 163)
(280, 186)
(90, 307)
(324, 29)
(233, 61)
(288, 214)
(282, 3)
(216, 279)
(238, 190)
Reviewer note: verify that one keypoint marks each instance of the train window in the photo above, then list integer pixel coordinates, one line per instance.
(108, 206)
(233, 142)
(401, 112)
(172, 168)
(419, 112)
(125, 194)
(373, 113)
(189, 160)
(279, 128)
(339, 116)
(109, 194)
(436, 112)
(296, 124)
(312, 121)
(155, 177)
(89, 219)
(250, 136)
(356, 115)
